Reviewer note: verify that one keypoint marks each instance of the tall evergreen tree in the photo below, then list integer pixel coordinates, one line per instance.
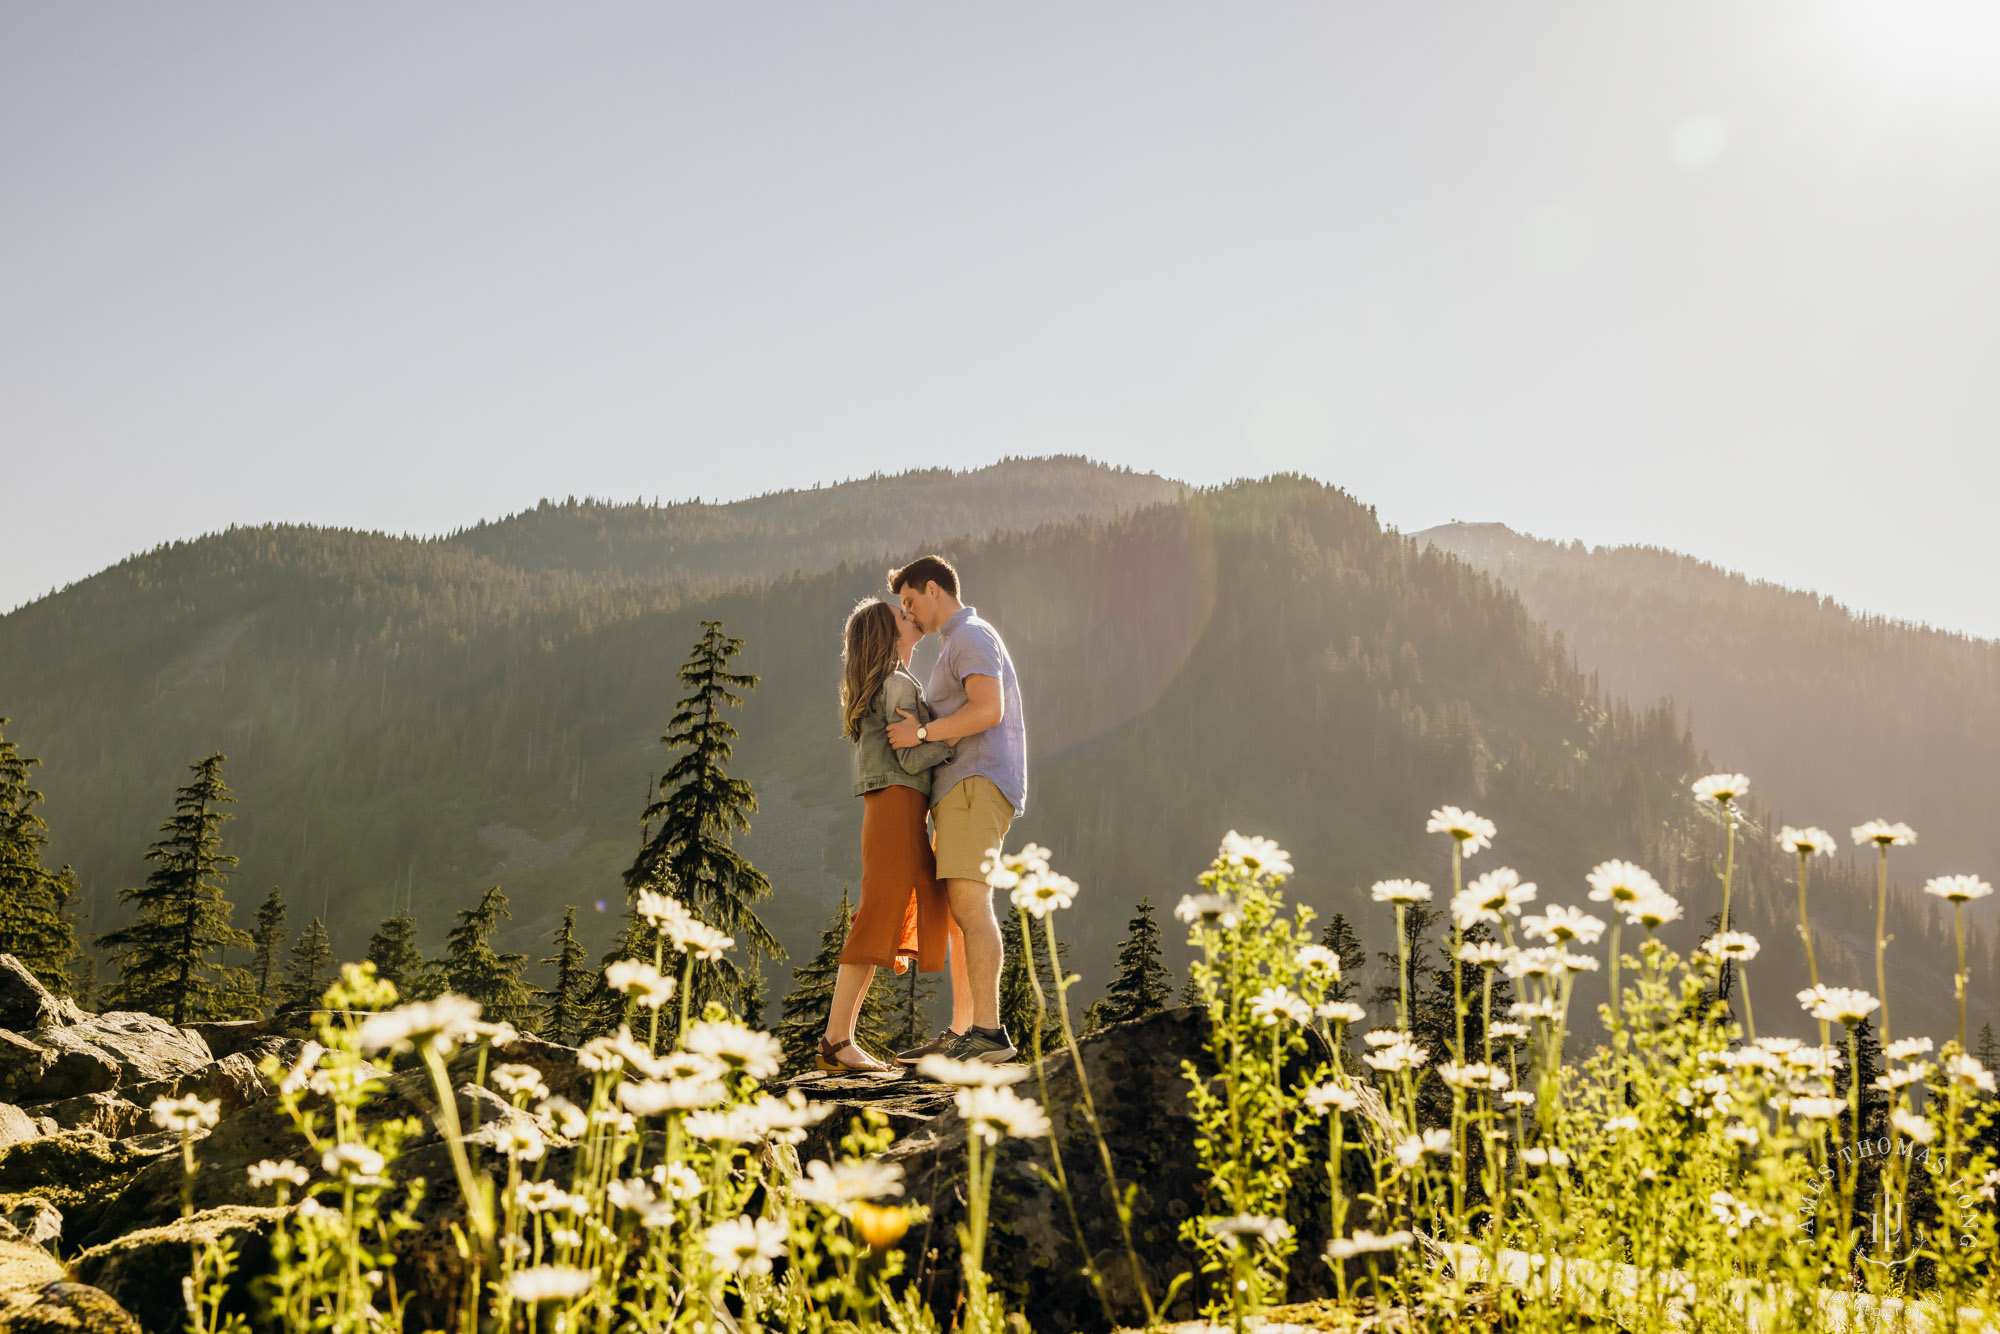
(565, 1005)
(473, 969)
(393, 950)
(1017, 993)
(910, 1023)
(698, 810)
(1986, 1051)
(166, 956)
(266, 942)
(34, 926)
(1339, 936)
(802, 1017)
(1143, 986)
(309, 971)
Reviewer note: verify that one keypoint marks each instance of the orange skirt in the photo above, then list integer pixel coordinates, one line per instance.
(903, 906)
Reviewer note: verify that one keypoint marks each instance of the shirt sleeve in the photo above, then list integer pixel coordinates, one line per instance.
(975, 651)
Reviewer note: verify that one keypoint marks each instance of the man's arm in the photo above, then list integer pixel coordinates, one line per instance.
(984, 708)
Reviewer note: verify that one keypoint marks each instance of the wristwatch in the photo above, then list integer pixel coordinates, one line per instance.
(923, 732)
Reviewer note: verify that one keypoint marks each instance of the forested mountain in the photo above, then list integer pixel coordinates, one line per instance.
(410, 721)
(1838, 718)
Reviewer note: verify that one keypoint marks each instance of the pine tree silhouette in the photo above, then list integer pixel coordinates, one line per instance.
(1017, 993)
(802, 1017)
(393, 950)
(309, 971)
(699, 809)
(910, 1025)
(1986, 1051)
(34, 924)
(165, 957)
(1142, 986)
(266, 942)
(1339, 936)
(565, 1004)
(472, 968)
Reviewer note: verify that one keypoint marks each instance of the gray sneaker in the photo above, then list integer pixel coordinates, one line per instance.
(973, 1045)
(937, 1044)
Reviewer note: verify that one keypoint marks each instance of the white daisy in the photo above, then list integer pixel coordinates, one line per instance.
(1040, 895)
(1476, 1075)
(1560, 925)
(1817, 1109)
(1485, 954)
(1808, 841)
(1400, 891)
(1249, 1227)
(1653, 911)
(745, 1245)
(1549, 1156)
(1274, 1003)
(1847, 1005)
(969, 1074)
(442, 1023)
(643, 982)
(1364, 1242)
(519, 1079)
(1260, 856)
(1738, 945)
(1318, 959)
(1957, 888)
(993, 1112)
(185, 1115)
(1883, 834)
(1341, 1012)
(848, 1180)
(1902, 1049)
(1397, 1056)
(268, 1173)
(1913, 1126)
(1332, 1095)
(1621, 883)
(1416, 1148)
(1473, 832)
(1720, 789)
(735, 1047)
(550, 1283)
(1215, 909)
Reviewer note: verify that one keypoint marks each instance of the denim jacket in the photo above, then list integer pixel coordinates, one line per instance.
(877, 764)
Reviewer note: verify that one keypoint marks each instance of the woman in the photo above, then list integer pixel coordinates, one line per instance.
(903, 914)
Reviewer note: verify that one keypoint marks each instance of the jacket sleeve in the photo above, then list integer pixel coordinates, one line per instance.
(897, 693)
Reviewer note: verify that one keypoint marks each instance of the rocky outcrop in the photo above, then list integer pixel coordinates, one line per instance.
(26, 1003)
(1142, 1105)
(142, 1271)
(908, 1103)
(63, 1308)
(29, 1218)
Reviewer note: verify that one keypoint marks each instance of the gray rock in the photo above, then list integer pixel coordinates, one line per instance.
(142, 1271)
(75, 1168)
(16, 1125)
(29, 1218)
(227, 1037)
(25, 1003)
(908, 1102)
(26, 1266)
(63, 1308)
(143, 1046)
(109, 1114)
(232, 1083)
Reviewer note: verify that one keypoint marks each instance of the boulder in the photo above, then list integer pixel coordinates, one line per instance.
(1142, 1105)
(227, 1037)
(232, 1083)
(75, 1168)
(29, 1218)
(16, 1125)
(142, 1271)
(25, 1003)
(94, 1055)
(907, 1101)
(109, 1113)
(26, 1266)
(63, 1308)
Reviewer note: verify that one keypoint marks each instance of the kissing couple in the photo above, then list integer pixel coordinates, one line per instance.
(957, 751)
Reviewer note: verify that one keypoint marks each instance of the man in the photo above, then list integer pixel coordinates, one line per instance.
(976, 795)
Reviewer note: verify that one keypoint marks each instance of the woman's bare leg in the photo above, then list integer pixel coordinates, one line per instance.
(849, 990)
(961, 980)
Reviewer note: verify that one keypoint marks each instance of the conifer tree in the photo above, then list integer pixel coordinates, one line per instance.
(802, 1017)
(1339, 937)
(473, 969)
(393, 950)
(1143, 985)
(565, 1005)
(309, 971)
(34, 926)
(698, 810)
(910, 1017)
(166, 955)
(1017, 993)
(266, 942)
(755, 993)
(1987, 1051)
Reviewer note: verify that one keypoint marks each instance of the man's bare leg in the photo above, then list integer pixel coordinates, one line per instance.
(972, 914)
(961, 980)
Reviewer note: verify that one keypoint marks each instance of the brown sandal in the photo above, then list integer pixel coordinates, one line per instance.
(827, 1058)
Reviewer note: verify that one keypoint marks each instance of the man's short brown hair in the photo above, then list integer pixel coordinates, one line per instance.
(925, 570)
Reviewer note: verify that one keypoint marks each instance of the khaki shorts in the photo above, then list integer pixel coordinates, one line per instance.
(968, 822)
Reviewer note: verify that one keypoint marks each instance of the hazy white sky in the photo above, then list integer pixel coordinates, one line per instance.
(1716, 276)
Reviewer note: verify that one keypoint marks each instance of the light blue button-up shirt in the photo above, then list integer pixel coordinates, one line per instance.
(972, 647)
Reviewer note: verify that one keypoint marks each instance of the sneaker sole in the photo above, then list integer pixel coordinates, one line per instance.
(997, 1056)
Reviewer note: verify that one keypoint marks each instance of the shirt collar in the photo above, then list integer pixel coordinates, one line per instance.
(956, 619)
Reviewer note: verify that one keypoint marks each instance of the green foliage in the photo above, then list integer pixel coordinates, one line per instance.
(34, 924)
(1142, 985)
(699, 810)
(1339, 936)
(1017, 992)
(309, 971)
(399, 962)
(472, 968)
(566, 1002)
(267, 941)
(167, 957)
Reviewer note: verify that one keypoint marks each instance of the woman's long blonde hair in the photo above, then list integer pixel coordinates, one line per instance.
(867, 656)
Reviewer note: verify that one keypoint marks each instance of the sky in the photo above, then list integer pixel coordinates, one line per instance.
(1711, 276)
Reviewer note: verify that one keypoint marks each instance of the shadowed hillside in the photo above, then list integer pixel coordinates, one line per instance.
(1838, 718)
(415, 720)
